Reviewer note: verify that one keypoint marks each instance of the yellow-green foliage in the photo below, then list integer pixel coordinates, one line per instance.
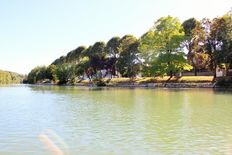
(10, 78)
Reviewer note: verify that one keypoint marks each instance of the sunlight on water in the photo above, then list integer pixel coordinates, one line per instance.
(45, 120)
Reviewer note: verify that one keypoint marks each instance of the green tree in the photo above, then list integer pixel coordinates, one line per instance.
(128, 63)
(51, 72)
(37, 74)
(74, 55)
(65, 73)
(217, 40)
(195, 56)
(97, 55)
(112, 49)
(82, 68)
(60, 61)
(161, 48)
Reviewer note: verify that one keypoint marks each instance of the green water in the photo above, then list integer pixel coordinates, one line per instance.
(115, 121)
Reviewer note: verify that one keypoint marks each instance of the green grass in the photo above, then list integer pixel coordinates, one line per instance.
(144, 80)
(185, 79)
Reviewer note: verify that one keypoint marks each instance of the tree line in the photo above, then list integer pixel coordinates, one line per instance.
(7, 77)
(167, 48)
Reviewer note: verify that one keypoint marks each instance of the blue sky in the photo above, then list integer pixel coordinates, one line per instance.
(35, 32)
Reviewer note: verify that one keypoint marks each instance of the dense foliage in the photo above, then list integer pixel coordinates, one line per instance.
(168, 48)
(161, 48)
(7, 77)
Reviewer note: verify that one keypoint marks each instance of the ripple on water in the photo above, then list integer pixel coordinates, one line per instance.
(116, 121)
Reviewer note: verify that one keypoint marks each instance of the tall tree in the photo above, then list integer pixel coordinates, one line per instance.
(161, 48)
(74, 55)
(227, 44)
(194, 56)
(198, 57)
(221, 39)
(60, 61)
(51, 72)
(65, 73)
(112, 49)
(216, 37)
(97, 55)
(128, 62)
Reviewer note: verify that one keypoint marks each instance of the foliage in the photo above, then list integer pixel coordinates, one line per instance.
(7, 77)
(37, 74)
(215, 39)
(51, 72)
(82, 67)
(74, 56)
(169, 63)
(159, 52)
(128, 62)
(225, 82)
(188, 26)
(161, 48)
(99, 82)
(196, 55)
(65, 73)
(97, 55)
(112, 47)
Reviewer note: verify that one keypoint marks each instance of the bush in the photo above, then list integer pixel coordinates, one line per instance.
(99, 82)
(224, 82)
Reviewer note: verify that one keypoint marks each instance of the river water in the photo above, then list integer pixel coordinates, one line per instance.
(114, 121)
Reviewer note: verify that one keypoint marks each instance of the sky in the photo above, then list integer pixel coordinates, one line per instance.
(36, 32)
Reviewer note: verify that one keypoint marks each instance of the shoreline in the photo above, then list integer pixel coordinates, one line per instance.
(139, 85)
(150, 82)
(153, 85)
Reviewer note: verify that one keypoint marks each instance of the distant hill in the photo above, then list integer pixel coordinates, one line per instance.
(7, 77)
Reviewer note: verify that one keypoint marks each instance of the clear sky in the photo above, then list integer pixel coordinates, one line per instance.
(36, 32)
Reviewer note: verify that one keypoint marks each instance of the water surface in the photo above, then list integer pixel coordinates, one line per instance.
(115, 121)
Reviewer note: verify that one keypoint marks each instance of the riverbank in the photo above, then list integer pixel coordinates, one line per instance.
(155, 82)
(152, 85)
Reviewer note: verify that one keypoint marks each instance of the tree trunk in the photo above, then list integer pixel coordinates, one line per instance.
(227, 69)
(170, 76)
(195, 71)
(214, 73)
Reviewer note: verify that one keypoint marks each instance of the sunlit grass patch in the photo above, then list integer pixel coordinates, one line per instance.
(184, 79)
(144, 80)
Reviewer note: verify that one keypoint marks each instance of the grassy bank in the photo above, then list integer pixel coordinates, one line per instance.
(186, 79)
(153, 80)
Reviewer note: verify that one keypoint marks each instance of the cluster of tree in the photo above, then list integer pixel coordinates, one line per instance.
(209, 42)
(7, 77)
(168, 48)
(117, 56)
